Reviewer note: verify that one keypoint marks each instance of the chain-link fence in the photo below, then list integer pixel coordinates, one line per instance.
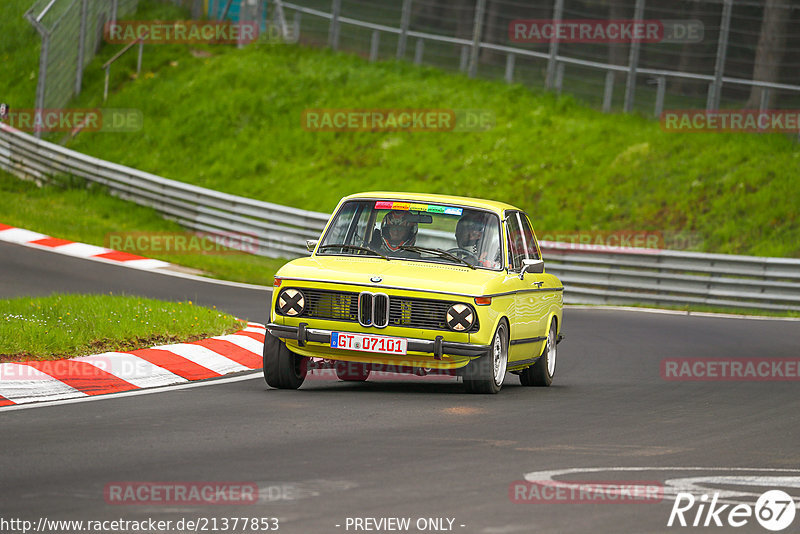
(71, 32)
(706, 54)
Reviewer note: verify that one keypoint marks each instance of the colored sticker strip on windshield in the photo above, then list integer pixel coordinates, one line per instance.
(409, 206)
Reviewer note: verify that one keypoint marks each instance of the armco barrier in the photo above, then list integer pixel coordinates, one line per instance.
(593, 274)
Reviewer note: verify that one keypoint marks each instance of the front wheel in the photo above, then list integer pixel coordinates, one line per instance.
(486, 374)
(283, 369)
(541, 373)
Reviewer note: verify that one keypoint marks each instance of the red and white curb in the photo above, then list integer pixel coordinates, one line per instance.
(28, 238)
(115, 372)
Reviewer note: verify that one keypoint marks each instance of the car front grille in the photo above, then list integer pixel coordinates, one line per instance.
(366, 309)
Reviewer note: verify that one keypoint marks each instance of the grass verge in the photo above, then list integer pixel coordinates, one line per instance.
(65, 326)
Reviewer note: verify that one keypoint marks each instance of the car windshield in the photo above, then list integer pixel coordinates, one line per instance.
(415, 231)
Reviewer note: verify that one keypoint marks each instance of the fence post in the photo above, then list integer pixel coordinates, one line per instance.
(41, 83)
(510, 59)
(374, 45)
(764, 102)
(333, 31)
(405, 20)
(477, 28)
(281, 18)
(633, 61)
(715, 91)
(559, 77)
(558, 13)
(81, 47)
(114, 6)
(608, 93)
(464, 62)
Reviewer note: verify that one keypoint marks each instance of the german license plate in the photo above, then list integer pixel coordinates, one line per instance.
(368, 343)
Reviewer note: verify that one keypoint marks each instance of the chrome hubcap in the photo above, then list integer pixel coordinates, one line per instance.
(551, 351)
(499, 360)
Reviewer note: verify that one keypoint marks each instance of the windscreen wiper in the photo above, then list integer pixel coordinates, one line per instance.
(438, 252)
(353, 247)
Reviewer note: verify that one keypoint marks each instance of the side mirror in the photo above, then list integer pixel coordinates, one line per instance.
(311, 244)
(531, 266)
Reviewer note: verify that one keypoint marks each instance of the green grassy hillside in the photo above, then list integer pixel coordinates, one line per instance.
(232, 122)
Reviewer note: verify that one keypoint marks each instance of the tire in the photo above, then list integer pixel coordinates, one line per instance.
(352, 371)
(283, 369)
(541, 373)
(486, 374)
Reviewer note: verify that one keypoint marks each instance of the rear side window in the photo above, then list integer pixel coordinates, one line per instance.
(516, 243)
(531, 247)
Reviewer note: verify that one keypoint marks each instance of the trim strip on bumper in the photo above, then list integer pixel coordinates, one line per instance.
(302, 334)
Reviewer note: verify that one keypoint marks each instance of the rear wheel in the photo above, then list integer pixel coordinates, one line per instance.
(541, 373)
(352, 371)
(283, 369)
(486, 374)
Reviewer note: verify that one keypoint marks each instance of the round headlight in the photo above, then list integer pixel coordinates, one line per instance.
(460, 317)
(291, 302)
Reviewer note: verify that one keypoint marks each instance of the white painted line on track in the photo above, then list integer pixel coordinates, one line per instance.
(165, 389)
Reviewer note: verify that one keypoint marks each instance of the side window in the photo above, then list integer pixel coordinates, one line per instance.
(530, 240)
(516, 246)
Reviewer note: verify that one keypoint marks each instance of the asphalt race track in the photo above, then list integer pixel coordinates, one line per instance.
(415, 449)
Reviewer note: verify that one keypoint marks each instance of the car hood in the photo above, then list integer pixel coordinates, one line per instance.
(413, 275)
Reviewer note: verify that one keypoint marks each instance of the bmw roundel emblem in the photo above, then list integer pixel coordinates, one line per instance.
(376, 279)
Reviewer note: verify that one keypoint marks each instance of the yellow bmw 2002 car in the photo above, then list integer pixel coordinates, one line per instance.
(420, 284)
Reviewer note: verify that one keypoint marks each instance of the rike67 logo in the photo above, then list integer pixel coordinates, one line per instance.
(774, 510)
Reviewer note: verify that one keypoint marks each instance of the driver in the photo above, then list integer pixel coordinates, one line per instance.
(398, 229)
(469, 236)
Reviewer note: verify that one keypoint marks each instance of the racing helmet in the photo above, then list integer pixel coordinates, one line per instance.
(398, 229)
(467, 229)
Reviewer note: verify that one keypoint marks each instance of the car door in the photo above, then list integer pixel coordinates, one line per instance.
(531, 306)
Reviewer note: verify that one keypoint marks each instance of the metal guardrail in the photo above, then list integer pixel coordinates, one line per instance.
(279, 230)
(591, 274)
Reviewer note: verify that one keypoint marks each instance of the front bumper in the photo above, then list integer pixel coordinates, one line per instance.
(302, 334)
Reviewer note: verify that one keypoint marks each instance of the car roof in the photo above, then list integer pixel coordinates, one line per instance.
(429, 197)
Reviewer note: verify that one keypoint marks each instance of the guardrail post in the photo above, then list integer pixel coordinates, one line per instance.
(374, 45)
(558, 13)
(81, 47)
(763, 104)
(333, 31)
(405, 19)
(477, 28)
(295, 37)
(715, 91)
(608, 92)
(139, 58)
(633, 61)
(661, 89)
(510, 59)
(418, 51)
(559, 77)
(105, 86)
